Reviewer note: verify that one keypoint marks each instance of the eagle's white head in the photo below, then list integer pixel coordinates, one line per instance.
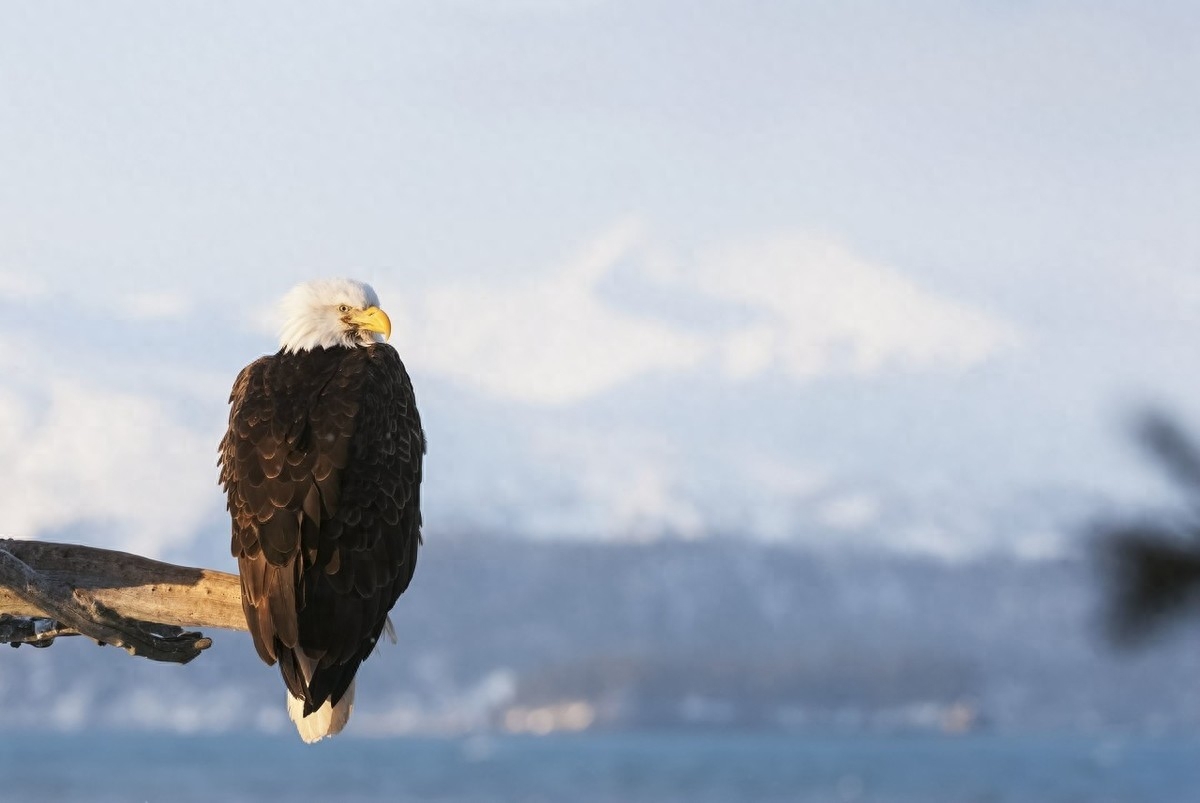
(332, 312)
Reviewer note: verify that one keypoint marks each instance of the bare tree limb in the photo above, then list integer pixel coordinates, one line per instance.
(35, 631)
(1152, 565)
(1153, 575)
(141, 605)
(1175, 451)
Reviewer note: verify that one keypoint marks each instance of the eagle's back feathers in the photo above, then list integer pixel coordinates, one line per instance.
(322, 468)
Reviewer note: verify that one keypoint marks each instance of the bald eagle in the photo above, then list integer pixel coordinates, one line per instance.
(322, 468)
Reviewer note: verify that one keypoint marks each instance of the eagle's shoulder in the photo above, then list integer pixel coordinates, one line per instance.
(291, 420)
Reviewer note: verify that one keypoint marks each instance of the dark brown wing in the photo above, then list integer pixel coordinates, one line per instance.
(368, 552)
(322, 466)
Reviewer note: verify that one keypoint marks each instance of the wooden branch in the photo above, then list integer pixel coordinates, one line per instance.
(35, 631)
(141, 605)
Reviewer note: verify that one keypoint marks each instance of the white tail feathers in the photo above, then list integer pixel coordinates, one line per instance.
(325, 721)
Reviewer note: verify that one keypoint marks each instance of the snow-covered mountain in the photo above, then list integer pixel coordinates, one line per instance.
(117, 434)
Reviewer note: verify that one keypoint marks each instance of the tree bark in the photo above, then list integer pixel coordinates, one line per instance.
(141, 605)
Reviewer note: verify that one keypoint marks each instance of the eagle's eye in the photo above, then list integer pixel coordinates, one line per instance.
(343, 308)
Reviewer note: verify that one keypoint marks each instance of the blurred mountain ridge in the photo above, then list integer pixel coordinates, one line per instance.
(526, 635)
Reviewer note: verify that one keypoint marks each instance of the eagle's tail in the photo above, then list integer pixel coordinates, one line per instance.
(325, 721)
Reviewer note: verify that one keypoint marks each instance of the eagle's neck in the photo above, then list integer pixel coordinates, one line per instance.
(301, 336)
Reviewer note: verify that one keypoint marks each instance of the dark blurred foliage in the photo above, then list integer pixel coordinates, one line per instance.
(1152, 563)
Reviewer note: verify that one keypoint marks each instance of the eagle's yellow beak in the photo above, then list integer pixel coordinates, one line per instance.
(373, 319)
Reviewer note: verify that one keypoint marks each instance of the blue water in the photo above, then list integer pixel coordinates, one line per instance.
(592, 768)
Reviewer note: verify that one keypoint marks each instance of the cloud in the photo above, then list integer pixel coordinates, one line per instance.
(527, 6)
(153, 306)
(623, 482)
(818, 309)
(803, 305)
(551, 340)
(21, 287)
(850, 511)
(77, 454)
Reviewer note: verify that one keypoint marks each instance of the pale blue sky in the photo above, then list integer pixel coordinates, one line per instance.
(653, 264)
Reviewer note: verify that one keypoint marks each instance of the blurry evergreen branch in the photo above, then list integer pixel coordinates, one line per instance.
(1153, 564)
(141, 605)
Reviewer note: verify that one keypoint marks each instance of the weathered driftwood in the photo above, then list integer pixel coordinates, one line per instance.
(49, 590)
